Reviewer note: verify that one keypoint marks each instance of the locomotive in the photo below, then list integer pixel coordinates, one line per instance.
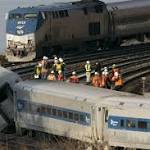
(32, 32)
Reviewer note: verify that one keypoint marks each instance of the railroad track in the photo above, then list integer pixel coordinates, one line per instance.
(107, 58)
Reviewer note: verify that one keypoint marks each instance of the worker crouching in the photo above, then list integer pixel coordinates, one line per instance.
(37, 71)
(74, 78)
(96, 80)
(51, 76)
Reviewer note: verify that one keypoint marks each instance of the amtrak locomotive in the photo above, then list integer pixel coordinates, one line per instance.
(45, 30)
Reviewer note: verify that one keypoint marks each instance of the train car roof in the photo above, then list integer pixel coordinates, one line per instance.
(80, 92)
(55, 7)
(128, 4)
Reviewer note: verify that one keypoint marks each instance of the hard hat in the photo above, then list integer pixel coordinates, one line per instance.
(55, 58)
(114, 65)
(88, 62)
(45, 58)
(59, 71)
(73, 73)
(60, 59)
(96, 73)
(52, 71)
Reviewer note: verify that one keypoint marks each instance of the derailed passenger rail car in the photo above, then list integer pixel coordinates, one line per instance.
(99, 116)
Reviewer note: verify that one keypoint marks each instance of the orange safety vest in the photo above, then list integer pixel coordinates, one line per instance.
(60, 77)
(74, 79)
(51, 77)
(96, 81)
(119, 82)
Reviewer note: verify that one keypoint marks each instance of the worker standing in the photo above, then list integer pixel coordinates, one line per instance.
(62, 67)
(98, 67)
(60, 76)
(44, 69)
(74, 78)
(37, 71)
(96, 80)
(88, 72)
(105, 78)
(51, 76)
(115, 73)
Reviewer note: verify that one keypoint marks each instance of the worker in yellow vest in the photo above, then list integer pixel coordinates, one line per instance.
(88, 72)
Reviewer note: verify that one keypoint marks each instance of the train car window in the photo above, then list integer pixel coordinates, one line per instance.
(55, 14)
(106, 115)
(43, 109)
(130, 124)
(59, 113)
(85, 10)
(82, 118)
(76, 117)
(94, 28)
(121, 123)
(98, 9)
(53, 111)
(61, 13)
(70, 115)
(65, 115)
(66, 13)
(49, 110)
(142, 124)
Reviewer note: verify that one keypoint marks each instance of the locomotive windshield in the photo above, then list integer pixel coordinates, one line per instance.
(30, 16)
(23, 16)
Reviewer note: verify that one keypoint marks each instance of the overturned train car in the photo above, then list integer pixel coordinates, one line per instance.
(98, 116)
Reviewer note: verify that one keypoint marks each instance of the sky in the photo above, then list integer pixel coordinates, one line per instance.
(6, 5)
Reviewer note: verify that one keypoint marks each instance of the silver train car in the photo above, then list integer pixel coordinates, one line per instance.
(98, 116)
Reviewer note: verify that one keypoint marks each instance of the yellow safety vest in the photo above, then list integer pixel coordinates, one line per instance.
(88, 67)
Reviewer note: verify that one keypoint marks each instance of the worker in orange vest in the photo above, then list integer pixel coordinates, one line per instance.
(74, 78)
(51, 76)
(96, 80)
(119, 83)
(115, 73)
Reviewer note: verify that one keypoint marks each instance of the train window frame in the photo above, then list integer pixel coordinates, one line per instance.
(98, 9)
(122, 123)
(94, 28)
(54, 112)
(76, 117)
(59, 113)
(85, 11)
(142, 128)
(131, 126)
(70, 116)
(65, 114)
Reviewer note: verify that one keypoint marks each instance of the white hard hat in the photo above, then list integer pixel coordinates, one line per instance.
(73, 73)
(59, 71)
(55, 58)
(45, 58)
(60, 59)
(114, 65)
(96, 73)
(88, 62)
(52, 71)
